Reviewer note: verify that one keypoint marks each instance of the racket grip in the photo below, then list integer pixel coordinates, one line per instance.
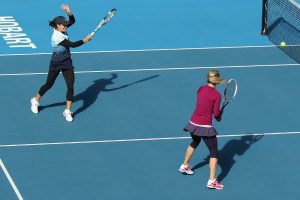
(222, 108)
(92, 34)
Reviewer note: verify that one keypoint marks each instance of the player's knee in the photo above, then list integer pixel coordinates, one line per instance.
(49, 84)
(214, 154)
(195, 144)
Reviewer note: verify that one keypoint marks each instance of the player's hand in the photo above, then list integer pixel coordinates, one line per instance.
(66, 8)
(220, 116)
(87, 38)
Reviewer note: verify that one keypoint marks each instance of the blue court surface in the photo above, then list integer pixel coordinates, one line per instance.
(135, 90)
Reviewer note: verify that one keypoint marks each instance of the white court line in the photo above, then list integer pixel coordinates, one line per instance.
(147, 50)
(160, 69)
(13, 185)
(137, 140)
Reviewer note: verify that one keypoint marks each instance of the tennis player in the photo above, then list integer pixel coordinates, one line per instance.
(61, 61)
(200, 126)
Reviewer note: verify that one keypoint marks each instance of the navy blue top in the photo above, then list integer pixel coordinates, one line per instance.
(61, 55)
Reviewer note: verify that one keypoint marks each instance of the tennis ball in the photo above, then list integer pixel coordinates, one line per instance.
(282, 44)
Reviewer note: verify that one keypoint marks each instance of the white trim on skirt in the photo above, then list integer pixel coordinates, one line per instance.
(205, 126)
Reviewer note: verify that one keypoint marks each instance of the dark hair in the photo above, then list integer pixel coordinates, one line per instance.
(52, 24)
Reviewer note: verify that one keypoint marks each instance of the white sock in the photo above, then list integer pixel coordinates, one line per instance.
(211, 181)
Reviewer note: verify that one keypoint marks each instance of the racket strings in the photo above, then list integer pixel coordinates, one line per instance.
(110, 15)
(230, 92)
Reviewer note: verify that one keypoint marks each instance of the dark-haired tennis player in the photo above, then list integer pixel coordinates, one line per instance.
(61, 61)
(200, 126)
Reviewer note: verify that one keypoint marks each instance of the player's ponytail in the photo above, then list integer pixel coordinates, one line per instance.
(213, 77)
(52, 24)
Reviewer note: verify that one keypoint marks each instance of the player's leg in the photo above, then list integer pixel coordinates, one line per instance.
(52, 75)
(186, 167)
(212, 145)
(69, 79)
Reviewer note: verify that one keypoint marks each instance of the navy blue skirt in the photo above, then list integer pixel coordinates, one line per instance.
(65, 64)
(200, 131)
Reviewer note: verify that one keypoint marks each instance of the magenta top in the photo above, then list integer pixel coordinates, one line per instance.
(208, 104)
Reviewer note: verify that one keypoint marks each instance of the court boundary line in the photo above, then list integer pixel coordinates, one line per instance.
(138, 140)
(158, 69)
(11, 181)
(145, 50)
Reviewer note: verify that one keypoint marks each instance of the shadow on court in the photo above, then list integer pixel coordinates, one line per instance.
(90, 95)
(231, 149)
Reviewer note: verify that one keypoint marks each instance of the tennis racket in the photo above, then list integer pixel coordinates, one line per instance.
(229, 92)
(109, 15)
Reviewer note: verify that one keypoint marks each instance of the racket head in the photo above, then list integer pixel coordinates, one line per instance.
(105, 19)
(230, 90)
(109, 15)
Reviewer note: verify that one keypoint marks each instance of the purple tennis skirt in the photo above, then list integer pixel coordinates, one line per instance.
(200, 131)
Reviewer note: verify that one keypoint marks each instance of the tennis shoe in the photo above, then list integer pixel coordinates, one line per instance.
(68, 115)
(214, 184)
(34, 105)
(186, 169)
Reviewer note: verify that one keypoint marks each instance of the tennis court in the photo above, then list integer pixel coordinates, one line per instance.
(135, 90)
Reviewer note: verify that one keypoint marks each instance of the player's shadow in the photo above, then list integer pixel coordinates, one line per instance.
(90, 95)
(231, 149)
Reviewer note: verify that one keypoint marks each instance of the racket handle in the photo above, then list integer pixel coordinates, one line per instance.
(222, 109)
(224, 105)
(92, 34)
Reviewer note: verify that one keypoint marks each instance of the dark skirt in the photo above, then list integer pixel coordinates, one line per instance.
(200, 131)
(59, 65)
